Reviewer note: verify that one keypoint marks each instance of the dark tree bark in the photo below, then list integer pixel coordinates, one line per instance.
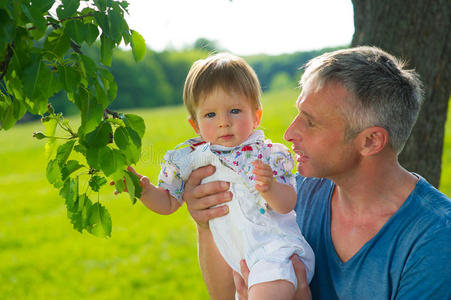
(417, 31)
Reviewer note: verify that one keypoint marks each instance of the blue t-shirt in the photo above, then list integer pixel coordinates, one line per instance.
(409, 258)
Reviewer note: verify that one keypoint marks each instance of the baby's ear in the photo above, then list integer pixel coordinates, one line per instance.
(194, 125)
(258, 118)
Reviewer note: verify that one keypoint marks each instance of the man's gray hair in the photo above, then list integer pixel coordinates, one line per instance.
(383, 92)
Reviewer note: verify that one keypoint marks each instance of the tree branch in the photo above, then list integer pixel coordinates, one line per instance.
(63, 20)
(4, 64)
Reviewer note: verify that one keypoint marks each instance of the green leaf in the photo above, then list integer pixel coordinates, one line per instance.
(75, 29)
(80, 149)
(12, 112)
(130, 187)
(115, 20)
(80, 215)
(54, 174)
(38, 82)
(50, 129)
(101, 4)
(101, 136)
(64, 152)
(67, 9)
(133, 150)
(101, 94)
(69, 78)
(89, 67)
(70, 167)
(69, 192)
(106, 50)
(102, 20)
(42, 6)
(91, 33)
(35, 14)
(118, 179)
(106, 80)
(99, 221)
(112, 161)
(7, 30)
(135, 122)
(133, 180)
(94, 156)
(96, 182)
(58, 43)
(121, 138)
(138, 46)
(91, 111)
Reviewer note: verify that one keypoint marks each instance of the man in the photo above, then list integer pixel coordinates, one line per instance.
(377, 230)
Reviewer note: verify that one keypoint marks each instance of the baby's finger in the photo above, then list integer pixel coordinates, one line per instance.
(262, 188)
(144, 181)
(264, 178)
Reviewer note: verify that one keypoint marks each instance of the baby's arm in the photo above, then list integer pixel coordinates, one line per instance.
(155, 198)
(280, 197)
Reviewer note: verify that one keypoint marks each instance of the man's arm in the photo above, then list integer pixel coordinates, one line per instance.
(216, 272)
(427, 270)
(199, 199)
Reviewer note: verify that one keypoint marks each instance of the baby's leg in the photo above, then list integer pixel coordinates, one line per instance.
(278, 289)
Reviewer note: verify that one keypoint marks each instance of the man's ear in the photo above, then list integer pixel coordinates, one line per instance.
(372, 140)
(194, 125)
(258, 118)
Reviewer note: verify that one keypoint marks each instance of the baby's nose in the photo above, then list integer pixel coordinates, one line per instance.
(224, 121)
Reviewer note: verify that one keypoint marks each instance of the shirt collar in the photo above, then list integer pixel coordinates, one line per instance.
(256, 137)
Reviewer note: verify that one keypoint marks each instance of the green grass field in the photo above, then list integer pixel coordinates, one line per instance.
(148, 256)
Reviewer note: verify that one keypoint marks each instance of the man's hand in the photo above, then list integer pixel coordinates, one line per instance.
(200, 198)
(241, 282)
(302, 292)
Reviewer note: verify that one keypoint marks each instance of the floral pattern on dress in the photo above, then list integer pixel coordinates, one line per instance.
(238, 158)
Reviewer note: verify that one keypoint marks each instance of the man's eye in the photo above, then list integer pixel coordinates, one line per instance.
(308, 122)
(235, 111)
(210, 115)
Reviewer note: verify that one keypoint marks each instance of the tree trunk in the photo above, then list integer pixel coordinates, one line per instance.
(418, 31)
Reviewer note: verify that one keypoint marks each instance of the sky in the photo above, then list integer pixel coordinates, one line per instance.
(244, 27)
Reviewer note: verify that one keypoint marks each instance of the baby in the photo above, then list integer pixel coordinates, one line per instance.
(222, 97)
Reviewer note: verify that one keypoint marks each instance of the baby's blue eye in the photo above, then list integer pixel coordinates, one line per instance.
(235, 111)
(210, 115)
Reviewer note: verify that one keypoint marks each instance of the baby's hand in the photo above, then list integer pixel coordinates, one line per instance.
(263, 176)
(143, 182)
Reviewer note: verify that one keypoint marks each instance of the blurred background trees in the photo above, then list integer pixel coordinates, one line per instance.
(418, 31)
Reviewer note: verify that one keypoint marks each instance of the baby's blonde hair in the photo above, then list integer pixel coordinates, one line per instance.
(224, 70)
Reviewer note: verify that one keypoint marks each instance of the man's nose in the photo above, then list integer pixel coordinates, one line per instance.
(292, 131)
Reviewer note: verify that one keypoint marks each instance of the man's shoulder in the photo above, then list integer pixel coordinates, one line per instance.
(433, 202)
(312, 190)
(312, 183)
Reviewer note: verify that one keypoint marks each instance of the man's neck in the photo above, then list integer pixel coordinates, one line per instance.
(364, 201)
(374, 188)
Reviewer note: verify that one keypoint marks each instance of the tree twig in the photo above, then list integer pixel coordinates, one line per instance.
(4, 64)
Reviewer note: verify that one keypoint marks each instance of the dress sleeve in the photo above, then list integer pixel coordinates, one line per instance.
(281, 163)
(170, 178)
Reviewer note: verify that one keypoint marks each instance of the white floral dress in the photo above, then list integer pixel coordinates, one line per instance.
(251, 230)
